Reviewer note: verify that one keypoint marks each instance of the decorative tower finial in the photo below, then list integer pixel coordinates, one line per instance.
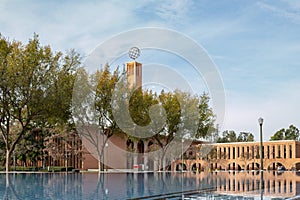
(134, 53)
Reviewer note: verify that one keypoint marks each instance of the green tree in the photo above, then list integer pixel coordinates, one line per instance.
(279, 135)
(188, 117)
(227, 136)
(291, 133)
(206, 127)
(93, 107)
(105, 82)
(230, 136)
(29, 74)
(245, 137)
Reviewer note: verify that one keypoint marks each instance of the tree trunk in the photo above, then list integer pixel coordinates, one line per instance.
(99, 165)
(162, 160)
(7, 164)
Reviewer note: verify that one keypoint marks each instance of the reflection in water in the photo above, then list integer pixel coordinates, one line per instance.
(233, 185)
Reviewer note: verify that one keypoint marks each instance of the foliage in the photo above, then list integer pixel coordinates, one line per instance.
(230, 136)
(291, 133)
(35, 89)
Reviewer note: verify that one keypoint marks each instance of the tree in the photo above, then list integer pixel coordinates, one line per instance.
(92, 108)
(188, 117)
(105, 82)
(245, 137)
(292, 133)
(279, 135)
(206, 119)
(117, 108)
(227, 136)
(29, 89)
(230, 136)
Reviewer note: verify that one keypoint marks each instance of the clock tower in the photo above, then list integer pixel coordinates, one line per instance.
(134, 69)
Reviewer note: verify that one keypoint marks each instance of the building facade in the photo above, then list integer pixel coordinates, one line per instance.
(283, 154)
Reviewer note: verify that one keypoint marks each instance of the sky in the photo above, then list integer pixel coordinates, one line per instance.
(254, 44)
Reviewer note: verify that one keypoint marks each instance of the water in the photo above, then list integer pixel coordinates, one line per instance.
(216, 185)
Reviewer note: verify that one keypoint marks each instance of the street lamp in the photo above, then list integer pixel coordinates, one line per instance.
(260, 121)
(182, 141)
(106, 145)
(182, 195)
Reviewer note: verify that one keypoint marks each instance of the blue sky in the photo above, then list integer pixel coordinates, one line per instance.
(254, 44)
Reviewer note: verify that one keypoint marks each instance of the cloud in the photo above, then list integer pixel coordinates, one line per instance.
(67, 24)
(290, 10)
(173, 10)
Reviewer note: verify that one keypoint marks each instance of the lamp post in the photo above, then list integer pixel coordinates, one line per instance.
(106, 145)
(182, 195)
(260, 121)
(182, 141)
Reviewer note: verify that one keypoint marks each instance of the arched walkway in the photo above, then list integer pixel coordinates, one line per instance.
(181, 167)
(233, 166)
(196, 167)
(276, 166)
(252, 166)
(295, 166)
(140, 150)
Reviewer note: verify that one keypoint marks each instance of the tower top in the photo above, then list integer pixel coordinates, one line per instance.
(134, 53)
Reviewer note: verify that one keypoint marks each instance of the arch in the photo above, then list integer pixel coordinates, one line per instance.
(130, 144)
(150, 143)
(295, 166)
(252, 166)
(140, 151)
(169, 168)
(220, 167)
(233, 166)
(140, 147)
(181, 167)
(238, 167)
(196, 167)
(278, 166)
(272, 166)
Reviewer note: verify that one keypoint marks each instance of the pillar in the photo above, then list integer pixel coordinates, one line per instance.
(288, 151)
(135, 156)
(282, 151)
(294, 150)
(235, 152)
(276, 151)
(146, 167)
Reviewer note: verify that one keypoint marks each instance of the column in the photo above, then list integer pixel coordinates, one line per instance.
(270, 151)
(282, 151)
(146, 167)
(135, 157)
(221, 153)
(276, 151)
(294, 150)
(288, 151)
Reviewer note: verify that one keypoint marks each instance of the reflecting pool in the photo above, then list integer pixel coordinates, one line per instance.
(215, 185)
